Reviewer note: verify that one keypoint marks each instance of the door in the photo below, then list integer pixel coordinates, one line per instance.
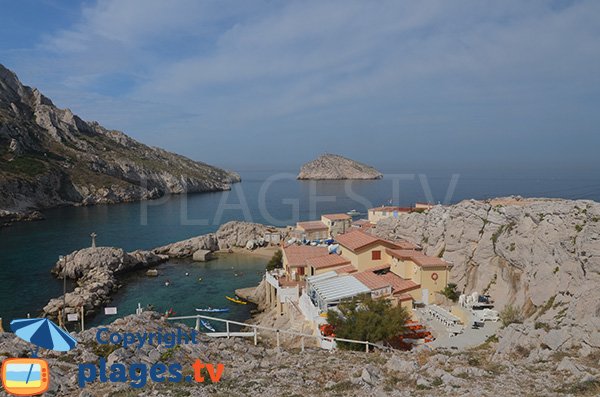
(425, 296)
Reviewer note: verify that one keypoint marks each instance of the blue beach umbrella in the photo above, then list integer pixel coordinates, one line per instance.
(43, 333)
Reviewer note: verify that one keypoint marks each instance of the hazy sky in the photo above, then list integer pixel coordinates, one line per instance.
(385, 82)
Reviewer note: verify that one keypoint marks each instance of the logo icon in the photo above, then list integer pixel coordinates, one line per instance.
(25, 376)
(31, 376)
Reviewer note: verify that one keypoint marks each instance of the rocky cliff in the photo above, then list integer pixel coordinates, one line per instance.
(51, 157)
(541, 255)
(332, 166)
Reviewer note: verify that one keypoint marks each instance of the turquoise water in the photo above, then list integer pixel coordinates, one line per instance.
(220, 277)
(28, 250)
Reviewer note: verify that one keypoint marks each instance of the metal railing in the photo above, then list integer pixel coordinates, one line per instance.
(255, 328)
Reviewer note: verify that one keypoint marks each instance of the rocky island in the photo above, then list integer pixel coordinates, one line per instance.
(50, 157)
(335, 167)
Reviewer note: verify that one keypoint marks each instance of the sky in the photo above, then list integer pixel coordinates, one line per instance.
(276, 83)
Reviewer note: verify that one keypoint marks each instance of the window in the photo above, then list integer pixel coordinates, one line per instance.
(375, 255)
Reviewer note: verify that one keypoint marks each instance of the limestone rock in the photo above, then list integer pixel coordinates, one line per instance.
(542, 255)
(201, 255)
(71, 161)
(332, 166)
(237, 234)
(95, 271)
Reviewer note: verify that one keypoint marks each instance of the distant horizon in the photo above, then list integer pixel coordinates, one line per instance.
(429, 83)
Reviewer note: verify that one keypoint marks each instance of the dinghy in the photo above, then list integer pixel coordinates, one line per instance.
(213, 310)
(207, 325)
(241, 302)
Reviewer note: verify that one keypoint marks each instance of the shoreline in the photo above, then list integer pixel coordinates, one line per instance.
(96, 271)
(263, 252)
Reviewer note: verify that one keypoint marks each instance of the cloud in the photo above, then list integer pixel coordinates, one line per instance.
(445, 73)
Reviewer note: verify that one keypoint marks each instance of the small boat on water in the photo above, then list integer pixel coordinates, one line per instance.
(236, 300)
(207, 325)
(353, 213)
(213, 310)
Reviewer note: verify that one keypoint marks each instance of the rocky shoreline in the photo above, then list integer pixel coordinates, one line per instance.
(50, 157)
(96, 271)
(7, 218)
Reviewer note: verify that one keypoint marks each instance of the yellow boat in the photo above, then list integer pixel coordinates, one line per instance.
(235, 300)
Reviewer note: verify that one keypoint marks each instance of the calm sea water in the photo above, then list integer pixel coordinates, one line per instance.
(29, 250)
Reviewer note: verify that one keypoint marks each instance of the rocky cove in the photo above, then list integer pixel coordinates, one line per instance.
(553, 350)
(96, 271)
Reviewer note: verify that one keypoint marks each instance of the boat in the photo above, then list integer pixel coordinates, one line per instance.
(353, 213)
(207, 325)
(213, 310)
(236, 300)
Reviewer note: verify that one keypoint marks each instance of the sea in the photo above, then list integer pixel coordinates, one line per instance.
(28, 250)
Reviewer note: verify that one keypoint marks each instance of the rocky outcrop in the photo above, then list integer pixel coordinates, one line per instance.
(332, 166)
(95, 271)
(237, 234)
(186, 248)
(313, 372)
(51, 157)
(229, 235)
(7, 218)
(541, 255)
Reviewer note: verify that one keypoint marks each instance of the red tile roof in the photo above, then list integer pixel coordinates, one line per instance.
(311, 225)
(405, 297)
(419, 258)
(346, 269)
(399, 284)
(371, 280)
(403, 254)
(430, 261)
(297, 255)
(357, 239)
(389, 279)
(378, 268)
(337, 217)
(323, 262)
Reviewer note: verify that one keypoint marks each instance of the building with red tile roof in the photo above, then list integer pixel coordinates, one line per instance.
(337, 223)
(336, 217)
(311, 231)
(318, 263)
(295, 256)
(346, 269)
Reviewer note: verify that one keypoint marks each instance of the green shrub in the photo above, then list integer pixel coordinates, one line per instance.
(510, 315)
(450, 292)
(367, 319)
(276, 261)
(540, 325)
